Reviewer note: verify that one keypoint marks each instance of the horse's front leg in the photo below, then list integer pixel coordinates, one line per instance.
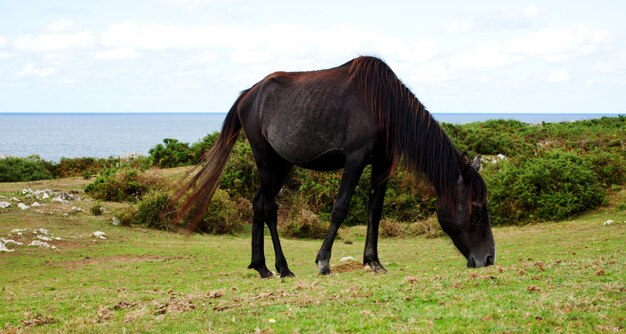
(349, 180)
(380, 176)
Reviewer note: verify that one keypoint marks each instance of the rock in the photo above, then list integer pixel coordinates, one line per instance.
(99, 235)
(115, 221)
(23, 206)
(501, 157)
(3, 247)
(41, 231)
(15, 199)
(18, 231)
(4, 205)
(59, 199)
(26, 191)
(608, 222)
(76, 209)
(43, 238)
(36, 204)
(347, 259)
(9, 241)
(39, 243)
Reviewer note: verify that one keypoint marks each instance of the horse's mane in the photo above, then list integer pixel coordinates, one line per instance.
(413, 137)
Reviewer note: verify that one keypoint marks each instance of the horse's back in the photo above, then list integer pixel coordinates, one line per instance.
(313, 119)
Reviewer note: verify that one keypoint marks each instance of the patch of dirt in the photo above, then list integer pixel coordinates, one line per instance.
(347, 267)
(176, 305)
(123, 258)
(38, 320)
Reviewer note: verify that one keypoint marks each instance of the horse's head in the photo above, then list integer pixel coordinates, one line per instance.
(468, 222)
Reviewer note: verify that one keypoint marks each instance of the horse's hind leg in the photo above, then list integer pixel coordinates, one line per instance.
(380, 175)
(265, 211)
(258, 253)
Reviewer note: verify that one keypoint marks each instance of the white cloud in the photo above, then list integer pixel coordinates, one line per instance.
(3, 41)
(30, 70)
(61, 26)
(558, 76)
(484, 57)
(117, 54)
(558, 44)
(54, 42)
(195, 3)
(460, 26)
(4, 55)
(524, 17)
(434, 73)
(531, 11)
(268, 43)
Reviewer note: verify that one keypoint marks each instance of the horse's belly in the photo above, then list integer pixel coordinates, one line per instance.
(310, 154)
(331, 160)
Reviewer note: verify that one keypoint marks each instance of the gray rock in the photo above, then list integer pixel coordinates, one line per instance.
(4, 205)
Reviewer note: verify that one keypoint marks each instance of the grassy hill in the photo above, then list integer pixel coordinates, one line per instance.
(567, 276)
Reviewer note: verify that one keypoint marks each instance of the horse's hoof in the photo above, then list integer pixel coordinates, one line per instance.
(377, 268)
(287, 273)
(323, 267)
(265, 273)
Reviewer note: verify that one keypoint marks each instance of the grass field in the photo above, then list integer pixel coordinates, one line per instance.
(552, 277)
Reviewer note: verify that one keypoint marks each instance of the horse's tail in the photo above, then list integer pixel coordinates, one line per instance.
(209, 172)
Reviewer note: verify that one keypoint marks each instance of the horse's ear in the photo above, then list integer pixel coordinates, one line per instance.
(464, 163)
(476, 163)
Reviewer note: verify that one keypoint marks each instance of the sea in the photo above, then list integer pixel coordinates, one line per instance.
(101, 135)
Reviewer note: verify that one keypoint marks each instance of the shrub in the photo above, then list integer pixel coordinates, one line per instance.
(97, 209)
(122, 184)
(609, 167)
(172, 154)
(304, 224)
(198, 148)
(240, 176)
(555, 186)
(225, 215)
(69, 167)
(429, 228)
(31, 168)
(152, 211)
(390, 228)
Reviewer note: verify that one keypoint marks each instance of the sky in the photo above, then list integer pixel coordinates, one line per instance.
(197, 55)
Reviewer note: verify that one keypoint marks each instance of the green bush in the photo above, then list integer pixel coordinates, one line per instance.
(552, 187)
(225, 215)
(152, 211)
(172, 153)
(69, 167)
(304, 224)
(240, 176)
(198, 148)
(31, 168)
(122, 184)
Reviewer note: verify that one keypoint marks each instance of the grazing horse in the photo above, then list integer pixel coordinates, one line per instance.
(346, 117)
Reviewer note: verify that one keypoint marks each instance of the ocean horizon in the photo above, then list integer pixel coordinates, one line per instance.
(102, 135)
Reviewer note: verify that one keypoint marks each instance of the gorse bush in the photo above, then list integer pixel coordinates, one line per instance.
(552, 187)
(31, 168)
(225, 215)
(304, 224)
(152, 211)
(123, 184)
(172, 153)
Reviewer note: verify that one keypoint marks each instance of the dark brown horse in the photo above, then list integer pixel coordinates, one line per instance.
(346, 117)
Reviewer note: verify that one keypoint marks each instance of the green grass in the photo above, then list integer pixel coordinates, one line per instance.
(551, 277)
